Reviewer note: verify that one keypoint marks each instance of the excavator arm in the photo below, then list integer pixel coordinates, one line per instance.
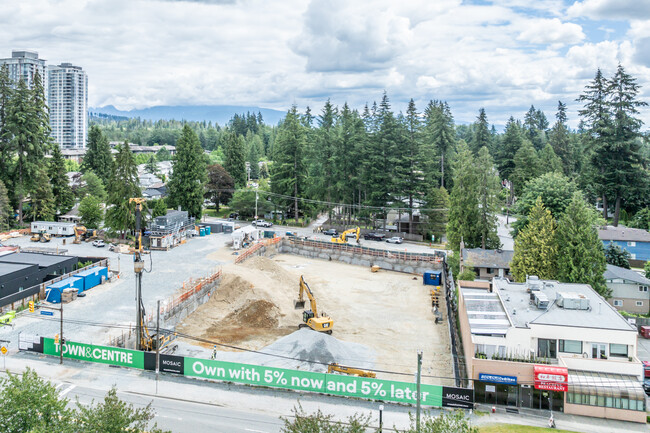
(300, 303)
(343, 237)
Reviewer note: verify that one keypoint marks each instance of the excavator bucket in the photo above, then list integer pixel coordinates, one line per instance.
(298, 304)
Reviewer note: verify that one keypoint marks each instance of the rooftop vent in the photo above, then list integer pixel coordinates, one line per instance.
(533, 283)
(572, 301)
(541, 300)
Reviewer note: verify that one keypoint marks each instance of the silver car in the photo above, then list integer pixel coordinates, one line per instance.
(395, 240)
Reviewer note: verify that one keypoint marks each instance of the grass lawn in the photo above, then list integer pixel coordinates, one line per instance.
(223, 212)
(516, 428)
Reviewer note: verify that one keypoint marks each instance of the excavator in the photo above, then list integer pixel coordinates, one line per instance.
(341, 369)
(322, 323)
(79, 231)
(343, 237)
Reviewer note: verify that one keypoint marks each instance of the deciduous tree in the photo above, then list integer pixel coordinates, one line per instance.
(220, 186)
(91, 211)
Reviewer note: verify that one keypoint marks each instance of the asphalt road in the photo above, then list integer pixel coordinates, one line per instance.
(181, 416)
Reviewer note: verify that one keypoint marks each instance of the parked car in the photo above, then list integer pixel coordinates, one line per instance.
(99, 243)
(374, 237)
(233, 216)
(262, 223)
(646, 385)
(395, 240)
(331, 232)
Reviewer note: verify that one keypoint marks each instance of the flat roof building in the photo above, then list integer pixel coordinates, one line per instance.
(24, 64)
(68, 102)
(549, 345)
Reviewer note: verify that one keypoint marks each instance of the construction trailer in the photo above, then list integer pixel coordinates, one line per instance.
(170, 230)
(53, 228)
(245, 235)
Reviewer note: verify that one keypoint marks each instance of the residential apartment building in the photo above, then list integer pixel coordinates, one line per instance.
(630, 290)
(68, 102)
(550, 345)
(25, 64)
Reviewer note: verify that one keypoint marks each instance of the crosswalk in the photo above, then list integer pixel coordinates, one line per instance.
(68, 387)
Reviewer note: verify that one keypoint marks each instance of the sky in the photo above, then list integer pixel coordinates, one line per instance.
(502, 55)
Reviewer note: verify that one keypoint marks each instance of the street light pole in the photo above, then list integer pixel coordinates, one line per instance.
(417, 410)
(381, 422)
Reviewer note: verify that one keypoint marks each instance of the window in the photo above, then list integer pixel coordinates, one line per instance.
(633, 256)
(618, 303)
(546, 348)
(570, 346)
(643, 288)
(488, 270)
(639, 303)
(631, 244)
(619, 350)
(599, 351)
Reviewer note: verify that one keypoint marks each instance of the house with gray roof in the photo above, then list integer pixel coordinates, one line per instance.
(629, 289)
(487, 264)
(635, 241)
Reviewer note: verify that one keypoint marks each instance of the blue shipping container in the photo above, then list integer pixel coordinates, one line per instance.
(432, 278)
(53, 291)
(93, 277)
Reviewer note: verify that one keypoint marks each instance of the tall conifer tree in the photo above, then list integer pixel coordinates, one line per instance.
(188, 174)
(124, 185)
(63, 197)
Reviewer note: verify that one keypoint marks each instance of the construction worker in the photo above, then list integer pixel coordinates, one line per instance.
(214, 353)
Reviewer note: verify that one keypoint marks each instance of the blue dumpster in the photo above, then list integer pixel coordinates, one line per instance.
(53, 291)
(93, 277)
(432, 278)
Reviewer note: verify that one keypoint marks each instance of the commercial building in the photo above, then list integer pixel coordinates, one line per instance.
(545, 344)
(68, 102)
(629, 289)
(25, 64)
(487, 264)
(635, 241)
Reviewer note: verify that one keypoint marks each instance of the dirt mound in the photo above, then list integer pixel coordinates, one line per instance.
(259, 314)
(231, 288)
(272, 270)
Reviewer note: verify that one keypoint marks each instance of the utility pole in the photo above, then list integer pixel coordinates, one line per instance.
(419, 379)
(255, 204)
(157, 343)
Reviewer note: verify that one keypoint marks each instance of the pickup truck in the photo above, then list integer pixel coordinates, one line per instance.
(262, 223)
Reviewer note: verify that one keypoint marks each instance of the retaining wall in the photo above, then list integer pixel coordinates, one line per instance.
(412, 263)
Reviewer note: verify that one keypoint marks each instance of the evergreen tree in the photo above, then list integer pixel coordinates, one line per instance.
(91, 211)
(152, 165)
(559, 139)
(235, 158)
(120, 213)
(489, 187)
(549, 162)
(188, 175)
(43, 203)
(536, 249)
(463, 201)
(6, 212)
(98, 158)
(481, 132)
(598, 131)
(622, 165)
(583, 257)
(159, 208)
(617, 256)
(440, 132)
(351, 181)
(320, 154)
(255, 149)
(411, 169)
(511, 142)
(22, 131)
(6, 93)
(288, 175)
(527, 166)
(163, 154)
(63, 197)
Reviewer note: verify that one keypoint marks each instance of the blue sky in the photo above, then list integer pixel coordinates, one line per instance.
(503, 55)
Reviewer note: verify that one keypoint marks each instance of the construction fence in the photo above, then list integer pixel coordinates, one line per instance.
(257, 249)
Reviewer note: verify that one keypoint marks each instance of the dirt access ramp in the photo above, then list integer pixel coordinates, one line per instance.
(251, 308)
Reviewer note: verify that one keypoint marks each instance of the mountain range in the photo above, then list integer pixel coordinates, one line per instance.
(220, 114)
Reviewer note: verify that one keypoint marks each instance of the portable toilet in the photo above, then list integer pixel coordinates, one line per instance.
(208, 230)
(432, 278)
(201, 231)
(93, 277)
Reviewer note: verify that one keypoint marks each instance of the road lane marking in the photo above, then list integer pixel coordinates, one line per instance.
(59, 386)
(62, 393)
(256, 431)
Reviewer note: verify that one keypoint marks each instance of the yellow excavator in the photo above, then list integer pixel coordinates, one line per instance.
(343, 237)
(79, 231)
(322, 323)
(341, 369)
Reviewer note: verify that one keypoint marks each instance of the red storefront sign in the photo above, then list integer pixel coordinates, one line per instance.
(551, 378)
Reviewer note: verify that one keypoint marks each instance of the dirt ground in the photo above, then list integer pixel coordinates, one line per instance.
(389, 312)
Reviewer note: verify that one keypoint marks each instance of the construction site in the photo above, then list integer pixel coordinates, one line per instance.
(375, 320)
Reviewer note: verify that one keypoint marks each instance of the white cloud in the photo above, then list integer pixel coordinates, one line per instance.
(550, 31)
(610, 9)
(503, 56)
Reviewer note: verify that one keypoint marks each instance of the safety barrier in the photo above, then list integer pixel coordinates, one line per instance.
(255, 248)
(353, 249)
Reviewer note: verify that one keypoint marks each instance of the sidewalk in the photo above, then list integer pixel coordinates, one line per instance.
(274, 402)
